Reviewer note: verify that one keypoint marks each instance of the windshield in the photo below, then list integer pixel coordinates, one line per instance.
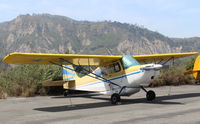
(129, 61)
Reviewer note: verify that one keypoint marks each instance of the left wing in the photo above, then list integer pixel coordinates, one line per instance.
(43, 58)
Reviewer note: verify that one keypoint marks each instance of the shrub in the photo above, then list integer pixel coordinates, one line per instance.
(3, 95)
(25, 80)
(174, 76)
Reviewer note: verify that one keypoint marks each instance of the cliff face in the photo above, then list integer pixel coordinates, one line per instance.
(56, 34)
(187, 44)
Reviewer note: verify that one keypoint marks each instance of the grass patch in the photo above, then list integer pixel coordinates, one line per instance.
(175, 76)
(3, 95)
(25, 80)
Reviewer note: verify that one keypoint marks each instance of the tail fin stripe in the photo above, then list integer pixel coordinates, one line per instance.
(68, 73)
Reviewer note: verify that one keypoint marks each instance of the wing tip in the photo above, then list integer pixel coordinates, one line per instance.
(5, 59)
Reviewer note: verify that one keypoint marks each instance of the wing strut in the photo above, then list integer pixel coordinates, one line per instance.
(73, 70)
(97, 76)
(168, 60)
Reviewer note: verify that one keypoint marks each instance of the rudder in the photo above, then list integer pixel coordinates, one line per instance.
(196, 69)
(68, 73)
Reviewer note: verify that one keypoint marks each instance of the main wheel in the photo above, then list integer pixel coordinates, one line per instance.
(115, 98)
(150, 95)
(66, 93)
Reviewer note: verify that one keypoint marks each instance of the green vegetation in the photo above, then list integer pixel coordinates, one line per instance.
(175, 75)
(25, 80)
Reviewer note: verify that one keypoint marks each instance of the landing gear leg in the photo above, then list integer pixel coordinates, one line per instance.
(115, 98)
(150, 95)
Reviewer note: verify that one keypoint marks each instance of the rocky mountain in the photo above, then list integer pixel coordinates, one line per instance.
(56, 34)
(187, 44)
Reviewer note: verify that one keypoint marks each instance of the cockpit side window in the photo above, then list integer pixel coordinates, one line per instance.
(128, 61)
(110, 69)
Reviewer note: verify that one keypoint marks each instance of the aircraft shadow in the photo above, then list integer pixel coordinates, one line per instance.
(159, 100)
(76, 95)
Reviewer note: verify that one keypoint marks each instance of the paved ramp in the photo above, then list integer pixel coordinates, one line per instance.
(179, 104)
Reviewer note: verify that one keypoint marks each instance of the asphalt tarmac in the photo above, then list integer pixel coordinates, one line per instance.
(177, 104)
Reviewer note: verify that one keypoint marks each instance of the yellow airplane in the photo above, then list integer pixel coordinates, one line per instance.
(196, 69)
(114, 75)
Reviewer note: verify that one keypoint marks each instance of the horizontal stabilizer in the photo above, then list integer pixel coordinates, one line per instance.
(49, 83)
(191, 71)
(65, 84)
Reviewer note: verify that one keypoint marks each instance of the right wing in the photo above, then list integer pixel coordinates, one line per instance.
(162, 57)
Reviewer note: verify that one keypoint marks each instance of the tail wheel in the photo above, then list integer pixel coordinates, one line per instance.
(66, 93)
(115, 98)
(150, 95)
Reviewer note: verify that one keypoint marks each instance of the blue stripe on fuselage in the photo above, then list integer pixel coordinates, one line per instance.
(97, 82)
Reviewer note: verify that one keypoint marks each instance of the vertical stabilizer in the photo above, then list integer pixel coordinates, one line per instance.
(68, 73)
(196, 69)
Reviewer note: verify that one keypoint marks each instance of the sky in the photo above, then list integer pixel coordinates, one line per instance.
(172, 18)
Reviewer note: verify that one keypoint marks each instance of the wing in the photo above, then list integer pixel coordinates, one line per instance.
(161, 57)
(42, 58)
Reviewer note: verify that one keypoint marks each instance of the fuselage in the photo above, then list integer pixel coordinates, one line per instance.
(115, 76)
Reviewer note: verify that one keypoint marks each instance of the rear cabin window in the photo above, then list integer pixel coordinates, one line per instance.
(81, 70)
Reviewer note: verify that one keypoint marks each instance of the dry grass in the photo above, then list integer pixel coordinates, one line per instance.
(3, 95)
(26, 80)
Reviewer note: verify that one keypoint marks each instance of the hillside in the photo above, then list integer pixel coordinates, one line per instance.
(55, 34)
(188, 44)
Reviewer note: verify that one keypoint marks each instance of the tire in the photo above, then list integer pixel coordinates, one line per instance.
(66, 93)
(150, 95)
(115, 98)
